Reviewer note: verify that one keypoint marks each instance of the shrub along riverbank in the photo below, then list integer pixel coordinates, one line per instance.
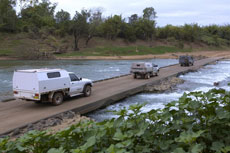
(197, 122)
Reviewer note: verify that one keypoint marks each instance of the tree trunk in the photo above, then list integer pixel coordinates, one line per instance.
(88, 39)
(76, 38)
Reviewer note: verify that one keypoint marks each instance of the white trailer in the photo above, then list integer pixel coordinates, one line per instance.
(50, 85)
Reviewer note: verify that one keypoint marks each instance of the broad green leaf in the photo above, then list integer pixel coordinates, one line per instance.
(179, 150)
(119, 135)
(197, 148)
(90, 142)
(217, 146)
(164, 145)
(124, 144)
(221, 113)
(111, 149)
(54, 150)
(226, 149)
(189, 136)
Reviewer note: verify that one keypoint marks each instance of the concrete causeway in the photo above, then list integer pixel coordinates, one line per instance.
(18, 113)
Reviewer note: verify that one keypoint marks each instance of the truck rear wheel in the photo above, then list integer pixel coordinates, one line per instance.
(87, 91)
(57, 98)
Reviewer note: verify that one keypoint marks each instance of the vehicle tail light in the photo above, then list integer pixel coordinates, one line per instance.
(36, 96)
(15, 92)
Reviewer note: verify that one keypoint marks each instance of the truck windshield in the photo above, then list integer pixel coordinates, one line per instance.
(73, 77)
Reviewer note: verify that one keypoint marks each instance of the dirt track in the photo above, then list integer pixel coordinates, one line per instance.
(15, 114)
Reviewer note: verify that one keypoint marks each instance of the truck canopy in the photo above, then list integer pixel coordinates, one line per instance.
(141, 65)
(40, 80)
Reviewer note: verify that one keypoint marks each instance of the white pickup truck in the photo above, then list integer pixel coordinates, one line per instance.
(144, 70)
(52, 85)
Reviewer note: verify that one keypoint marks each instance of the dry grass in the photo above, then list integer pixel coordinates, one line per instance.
(19, 46)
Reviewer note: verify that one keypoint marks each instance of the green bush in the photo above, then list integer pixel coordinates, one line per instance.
(180, 44)
(197, 122)
(171, 39)
(209, 40)
(222, 42)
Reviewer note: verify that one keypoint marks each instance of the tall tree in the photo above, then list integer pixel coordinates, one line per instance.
(39, 16)
(94, 22)
(145, 29)
(133, 18)
(149, 13)
(112, 26)
(62, 16)
(79, 26)
(8, 16)
(26, 3)
(63, 22)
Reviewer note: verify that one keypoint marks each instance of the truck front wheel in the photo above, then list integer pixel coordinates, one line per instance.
(57, 98)
(87, 91)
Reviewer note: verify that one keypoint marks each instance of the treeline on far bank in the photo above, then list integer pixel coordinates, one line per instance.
(39, 20)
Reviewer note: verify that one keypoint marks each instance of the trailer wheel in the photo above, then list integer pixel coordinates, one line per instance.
(87, 91)
(147, 76)
(134, 75)
(57, 98)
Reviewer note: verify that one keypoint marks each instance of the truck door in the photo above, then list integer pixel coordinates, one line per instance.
(75, 85)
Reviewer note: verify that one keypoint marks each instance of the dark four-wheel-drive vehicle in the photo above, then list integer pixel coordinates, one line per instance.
(186, 60)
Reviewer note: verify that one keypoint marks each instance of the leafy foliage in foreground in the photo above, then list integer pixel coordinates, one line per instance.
(197, 122)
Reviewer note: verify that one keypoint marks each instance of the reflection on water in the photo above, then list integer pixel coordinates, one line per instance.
(201, 80)
(92, 69)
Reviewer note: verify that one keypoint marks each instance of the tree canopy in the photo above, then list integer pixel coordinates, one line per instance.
(39, 16)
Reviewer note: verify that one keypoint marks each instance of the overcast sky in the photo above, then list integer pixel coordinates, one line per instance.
(175, 12)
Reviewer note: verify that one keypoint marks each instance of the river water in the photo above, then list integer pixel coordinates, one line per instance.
(92, 69)
(201, 80)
